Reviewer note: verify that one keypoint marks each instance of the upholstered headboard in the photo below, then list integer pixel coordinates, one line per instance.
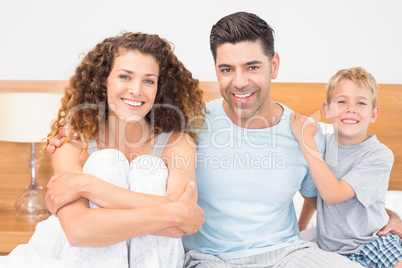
(304, 98)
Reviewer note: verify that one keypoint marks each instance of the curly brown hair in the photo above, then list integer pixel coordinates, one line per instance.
(178, 104)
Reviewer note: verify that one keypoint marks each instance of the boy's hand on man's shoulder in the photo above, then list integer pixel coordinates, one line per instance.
(302, 127)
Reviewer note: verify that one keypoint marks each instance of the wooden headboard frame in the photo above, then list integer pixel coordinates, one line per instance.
(304, 98)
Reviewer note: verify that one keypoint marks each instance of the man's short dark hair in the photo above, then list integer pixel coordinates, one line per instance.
(240, 27)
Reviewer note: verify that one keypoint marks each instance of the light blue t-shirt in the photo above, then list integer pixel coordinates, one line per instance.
(246, 181)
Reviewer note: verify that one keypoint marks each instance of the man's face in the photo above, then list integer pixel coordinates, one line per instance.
(244, 74)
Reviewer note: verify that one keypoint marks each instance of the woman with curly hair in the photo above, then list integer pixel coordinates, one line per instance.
(124, 197)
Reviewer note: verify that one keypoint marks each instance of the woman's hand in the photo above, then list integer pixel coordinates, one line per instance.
(187, 215)
(63, 189)
(191, 214)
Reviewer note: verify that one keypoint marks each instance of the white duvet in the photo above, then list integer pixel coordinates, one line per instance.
(37, 253)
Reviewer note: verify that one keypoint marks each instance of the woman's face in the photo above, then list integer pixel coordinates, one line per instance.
(132, 85)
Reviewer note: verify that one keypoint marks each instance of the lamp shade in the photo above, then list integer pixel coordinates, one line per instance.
(26, 117)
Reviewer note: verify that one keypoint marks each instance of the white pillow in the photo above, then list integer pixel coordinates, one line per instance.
(393, 202)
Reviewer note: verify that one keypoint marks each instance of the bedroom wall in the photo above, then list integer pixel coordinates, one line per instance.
(43, 40)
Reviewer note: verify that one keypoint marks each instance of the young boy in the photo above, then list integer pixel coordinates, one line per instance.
(353, 180)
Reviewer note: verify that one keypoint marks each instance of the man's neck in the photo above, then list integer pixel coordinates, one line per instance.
(270, 117)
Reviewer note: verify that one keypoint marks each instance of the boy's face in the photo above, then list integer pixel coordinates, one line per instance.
(351, 110)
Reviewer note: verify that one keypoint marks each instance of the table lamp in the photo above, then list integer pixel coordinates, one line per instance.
(26, 117)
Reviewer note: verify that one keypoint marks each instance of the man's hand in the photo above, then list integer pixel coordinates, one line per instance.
(63, 189)
(394, 225)
(57, 140)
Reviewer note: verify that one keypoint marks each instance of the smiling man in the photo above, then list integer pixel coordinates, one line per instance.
(249, 215)
(244, 74)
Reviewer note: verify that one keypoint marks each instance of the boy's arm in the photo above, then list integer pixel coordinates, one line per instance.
(331, 190)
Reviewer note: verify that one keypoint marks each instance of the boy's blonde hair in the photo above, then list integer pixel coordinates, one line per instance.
(357, 75)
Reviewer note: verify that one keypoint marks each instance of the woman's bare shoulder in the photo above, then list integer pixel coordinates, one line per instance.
(69, 156)
(180, 142)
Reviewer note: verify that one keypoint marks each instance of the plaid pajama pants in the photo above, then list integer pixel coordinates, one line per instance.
(385, 251)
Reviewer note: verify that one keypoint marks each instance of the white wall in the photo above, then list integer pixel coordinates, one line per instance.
(43, 40)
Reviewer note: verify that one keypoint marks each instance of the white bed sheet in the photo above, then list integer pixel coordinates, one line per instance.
(38, 251)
